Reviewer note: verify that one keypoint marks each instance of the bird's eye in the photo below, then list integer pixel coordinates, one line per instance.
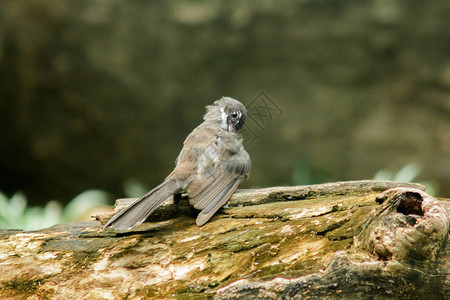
(234, 115)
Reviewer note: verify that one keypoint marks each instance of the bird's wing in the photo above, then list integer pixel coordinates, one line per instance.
(218, 200)
(220, 173)
(202, 190)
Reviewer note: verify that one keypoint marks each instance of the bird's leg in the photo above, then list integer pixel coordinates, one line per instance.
(177, 198)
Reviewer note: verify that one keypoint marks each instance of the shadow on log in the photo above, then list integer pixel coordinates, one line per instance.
(340, 240)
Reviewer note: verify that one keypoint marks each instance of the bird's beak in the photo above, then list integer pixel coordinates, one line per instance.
(231, 128)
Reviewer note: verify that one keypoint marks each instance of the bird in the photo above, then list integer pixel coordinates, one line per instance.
(209, 168)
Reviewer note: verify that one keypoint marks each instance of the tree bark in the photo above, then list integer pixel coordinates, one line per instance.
(340, 240)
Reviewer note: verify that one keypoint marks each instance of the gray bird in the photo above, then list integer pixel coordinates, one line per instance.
(209, 169)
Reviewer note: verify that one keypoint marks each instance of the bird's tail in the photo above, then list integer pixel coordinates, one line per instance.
(140, 209)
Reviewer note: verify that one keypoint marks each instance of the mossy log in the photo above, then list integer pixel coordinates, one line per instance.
(348, 240)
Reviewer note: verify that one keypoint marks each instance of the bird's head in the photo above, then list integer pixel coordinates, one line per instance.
(228, 112)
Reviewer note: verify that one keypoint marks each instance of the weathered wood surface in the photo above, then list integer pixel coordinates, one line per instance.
(323, 241)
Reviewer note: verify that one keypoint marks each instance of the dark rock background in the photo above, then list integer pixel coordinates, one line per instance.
(94, 93)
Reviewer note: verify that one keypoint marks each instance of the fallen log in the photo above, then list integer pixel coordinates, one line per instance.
(339, 240)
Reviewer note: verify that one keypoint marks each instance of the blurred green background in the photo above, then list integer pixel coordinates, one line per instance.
(101, 94)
